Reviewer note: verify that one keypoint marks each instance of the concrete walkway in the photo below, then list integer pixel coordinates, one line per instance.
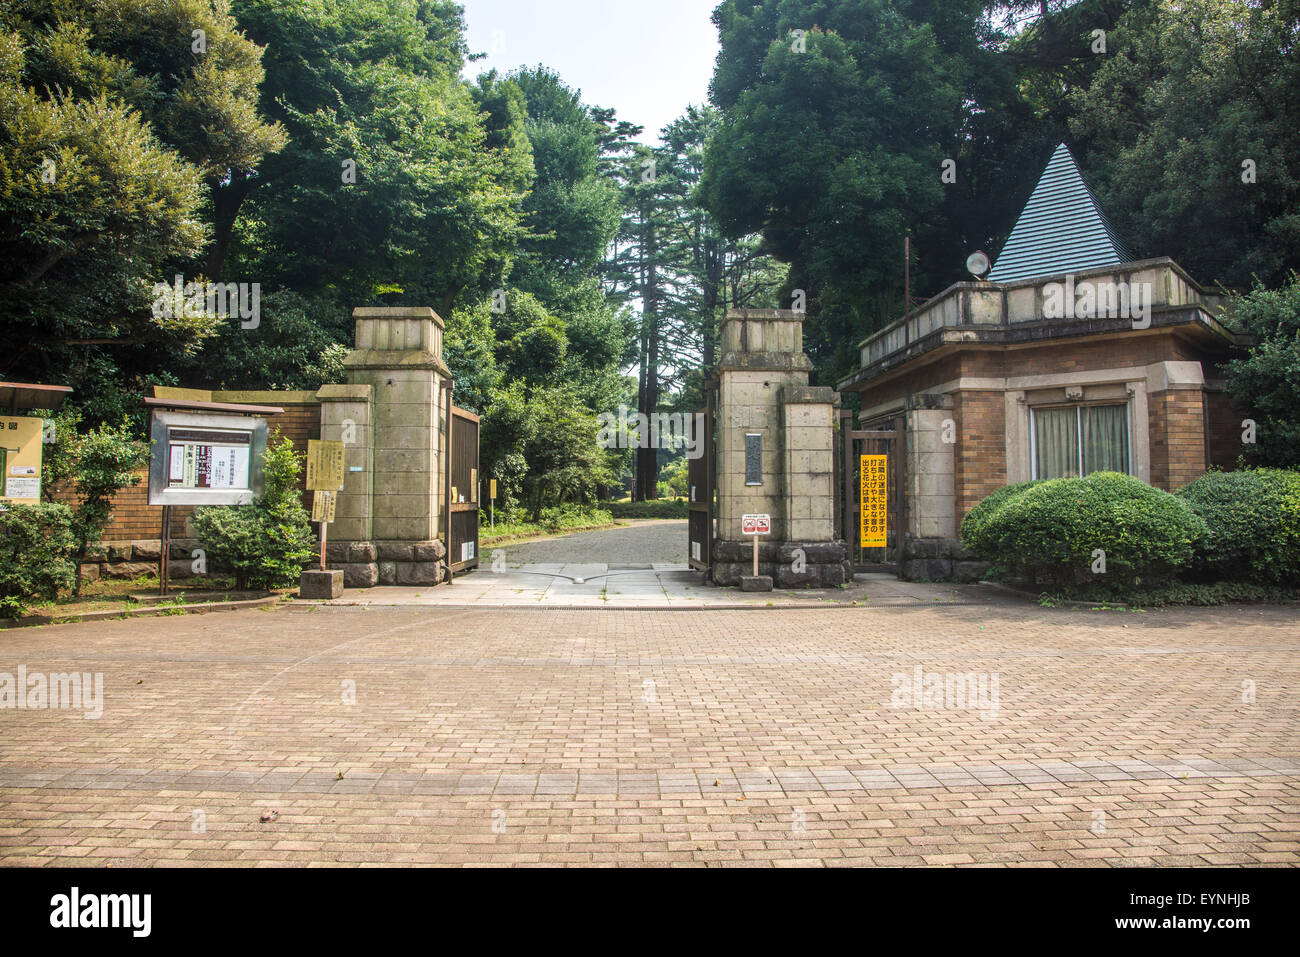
(640, 566)
(659, 587)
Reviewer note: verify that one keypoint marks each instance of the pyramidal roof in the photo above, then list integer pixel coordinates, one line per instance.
(1062, 228)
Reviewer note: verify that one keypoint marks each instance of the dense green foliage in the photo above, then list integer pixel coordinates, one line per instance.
(1253, 517)
(1267, 380)
(1052, 531)
(975, 526)
(114, 127)
(94, 466)
(37, 551)
(839, 115)
(268, 543)
(334, 155)
(1192, 90)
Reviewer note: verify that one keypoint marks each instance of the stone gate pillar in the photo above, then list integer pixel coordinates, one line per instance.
(775, 455)
(391, 505)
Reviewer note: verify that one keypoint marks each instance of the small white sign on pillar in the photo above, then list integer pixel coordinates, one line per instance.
(756, 525)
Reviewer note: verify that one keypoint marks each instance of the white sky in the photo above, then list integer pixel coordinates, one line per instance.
(648, 59)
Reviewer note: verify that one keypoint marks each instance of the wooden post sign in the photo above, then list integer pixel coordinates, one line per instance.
(324, 466)
(324, 480)
(756, 525)
(874, 494)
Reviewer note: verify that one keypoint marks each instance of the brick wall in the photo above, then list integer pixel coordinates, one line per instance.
(134, 519)
(981, 465)
(1223, 429)
(1189, 429)
(1177, 438)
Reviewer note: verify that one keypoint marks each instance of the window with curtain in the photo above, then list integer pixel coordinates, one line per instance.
(1079, 440)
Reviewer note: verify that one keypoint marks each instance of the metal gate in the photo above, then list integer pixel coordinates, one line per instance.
(463, 491)
(702, 478)
(851, 448)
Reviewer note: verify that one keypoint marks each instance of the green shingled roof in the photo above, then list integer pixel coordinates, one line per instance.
(1062, 228)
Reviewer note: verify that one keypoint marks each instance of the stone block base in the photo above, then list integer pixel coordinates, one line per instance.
(940, 559)
(788, 564)
(755, 583)
(368, 564)
(123, 560)
(321, 586)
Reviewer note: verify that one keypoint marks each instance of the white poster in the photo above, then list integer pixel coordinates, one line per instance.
(22, 487)
(229, 467)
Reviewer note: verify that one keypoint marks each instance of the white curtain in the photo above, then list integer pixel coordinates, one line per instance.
(1105, 438)
(1056, 443)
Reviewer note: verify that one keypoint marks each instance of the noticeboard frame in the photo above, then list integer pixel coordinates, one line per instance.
(160, 494)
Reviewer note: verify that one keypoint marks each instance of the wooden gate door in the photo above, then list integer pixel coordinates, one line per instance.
(702, 478)
(872, 495)
(463, 511)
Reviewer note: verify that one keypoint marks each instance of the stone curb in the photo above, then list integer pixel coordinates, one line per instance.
(196, 608)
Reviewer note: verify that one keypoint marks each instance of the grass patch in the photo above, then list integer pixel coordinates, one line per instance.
(552, 521)
(120, 594)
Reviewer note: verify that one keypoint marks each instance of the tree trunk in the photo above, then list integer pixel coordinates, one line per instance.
(226, 201)
(647, 454)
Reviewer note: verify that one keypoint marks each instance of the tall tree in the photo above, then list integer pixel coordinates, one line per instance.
(116, 116)
(1192, 129)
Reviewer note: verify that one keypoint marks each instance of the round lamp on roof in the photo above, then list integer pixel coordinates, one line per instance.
(977, 264)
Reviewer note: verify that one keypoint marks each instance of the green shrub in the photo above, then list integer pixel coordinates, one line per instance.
(1052, 531)
(1253, 517)
(1178, 593)
(975, 525)
(37, 546)
(266, 544)
(98, 464)
(657, 509)
(573, 516)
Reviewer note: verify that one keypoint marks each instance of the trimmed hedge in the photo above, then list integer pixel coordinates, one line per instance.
(660, 508)
(975, 523)
(1051, 530)
(1253, 518)
(36, 550)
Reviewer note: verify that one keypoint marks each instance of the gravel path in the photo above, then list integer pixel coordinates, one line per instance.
(639, 543)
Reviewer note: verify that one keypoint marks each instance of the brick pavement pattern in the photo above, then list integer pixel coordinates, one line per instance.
(467, 736)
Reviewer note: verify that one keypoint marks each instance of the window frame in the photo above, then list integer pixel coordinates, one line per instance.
(1078, 408)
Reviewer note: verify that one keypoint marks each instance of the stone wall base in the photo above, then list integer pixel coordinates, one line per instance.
(122, 560)
(821, 564)
(940, 559)
(368, 564)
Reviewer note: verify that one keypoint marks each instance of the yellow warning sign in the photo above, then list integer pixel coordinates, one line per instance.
(874, 500)
(324, 466)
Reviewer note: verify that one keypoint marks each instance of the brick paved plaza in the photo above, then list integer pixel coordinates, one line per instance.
(764, 737)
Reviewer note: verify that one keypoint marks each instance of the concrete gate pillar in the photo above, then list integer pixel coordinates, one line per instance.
(396, 397)
(775, 455)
